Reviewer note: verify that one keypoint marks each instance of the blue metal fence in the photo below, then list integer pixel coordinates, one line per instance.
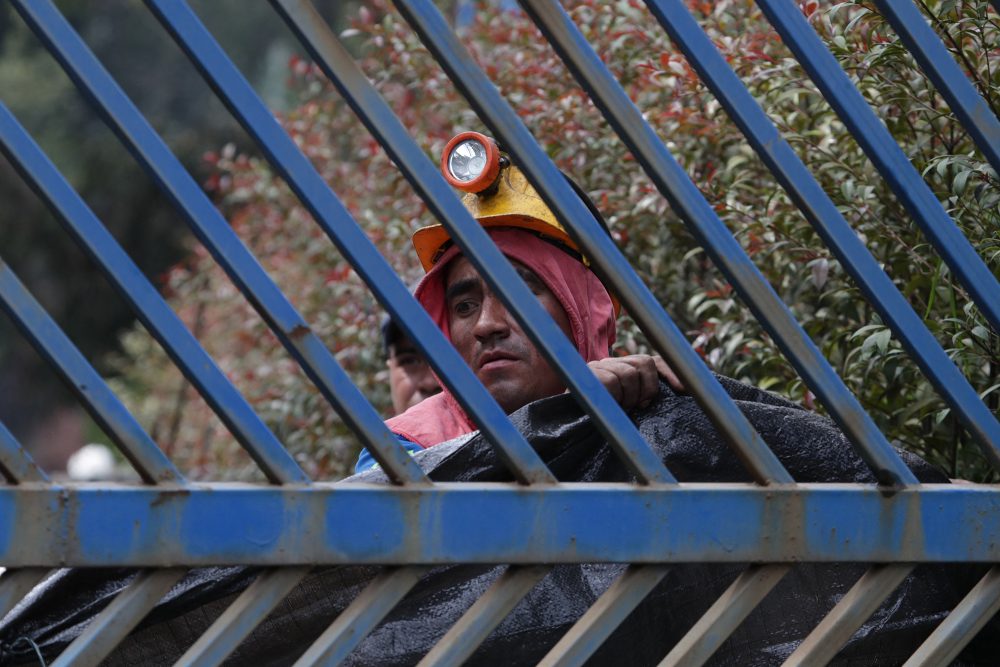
(169, 524)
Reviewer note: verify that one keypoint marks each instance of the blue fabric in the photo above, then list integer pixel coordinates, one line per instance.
(367, 462)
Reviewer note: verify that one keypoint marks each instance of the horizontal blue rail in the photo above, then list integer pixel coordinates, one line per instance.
(51, 525)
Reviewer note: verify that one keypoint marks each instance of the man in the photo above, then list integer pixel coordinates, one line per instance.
(410, 377)
(411, 380)
(486, 335)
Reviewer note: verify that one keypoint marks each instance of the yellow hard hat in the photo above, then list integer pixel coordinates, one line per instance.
(497, 195)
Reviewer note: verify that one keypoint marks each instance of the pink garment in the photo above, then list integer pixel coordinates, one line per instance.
(586, 302)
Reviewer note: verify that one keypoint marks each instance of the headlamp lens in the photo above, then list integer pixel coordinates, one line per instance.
(467, 160)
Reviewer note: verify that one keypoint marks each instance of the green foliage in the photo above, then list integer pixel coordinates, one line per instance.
(709, 147)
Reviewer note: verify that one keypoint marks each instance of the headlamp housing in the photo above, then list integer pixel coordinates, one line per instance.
(471, 162)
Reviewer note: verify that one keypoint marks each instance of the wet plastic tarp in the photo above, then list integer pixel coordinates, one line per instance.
(810, 446)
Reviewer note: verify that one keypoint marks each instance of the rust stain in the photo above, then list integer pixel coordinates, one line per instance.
(167, 496)
(299, 331)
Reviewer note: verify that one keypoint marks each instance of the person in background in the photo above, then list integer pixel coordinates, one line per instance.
(411, 379)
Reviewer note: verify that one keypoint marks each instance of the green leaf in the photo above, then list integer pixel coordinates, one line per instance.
(865, 329)
(961, 181)
(860, 15)
(941, 415)
(981, 332)
(877, 341)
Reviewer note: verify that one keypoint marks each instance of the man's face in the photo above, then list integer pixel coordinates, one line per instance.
(410, 377)
(492, 342)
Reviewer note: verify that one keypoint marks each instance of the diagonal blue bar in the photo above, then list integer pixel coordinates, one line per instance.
(486, 613)
(242, 616)
(725, 251)
(822, 213)
(441, 200)
(366, 611)
(217, 236)
(604, 616)
(149, 306)
(340, 227)
(113, 418)
(962, 625)
(607, 259)
(886, 155)
(940, 67)
(120, 617)
(16, 464)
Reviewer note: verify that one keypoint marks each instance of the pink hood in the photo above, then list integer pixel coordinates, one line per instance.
(585, 300)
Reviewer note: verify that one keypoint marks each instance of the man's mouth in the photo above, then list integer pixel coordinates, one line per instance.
(495, 359)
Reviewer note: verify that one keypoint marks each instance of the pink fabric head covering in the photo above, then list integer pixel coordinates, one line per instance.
(586, 301)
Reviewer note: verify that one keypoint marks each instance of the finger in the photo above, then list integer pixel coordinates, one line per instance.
(649, 382)
(608, 379)
(631, 379)
(620, 378)
(667, 373)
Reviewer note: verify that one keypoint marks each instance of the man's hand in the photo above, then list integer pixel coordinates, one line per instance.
(634, 381)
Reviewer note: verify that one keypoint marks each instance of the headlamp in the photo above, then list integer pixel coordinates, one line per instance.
(471, 162)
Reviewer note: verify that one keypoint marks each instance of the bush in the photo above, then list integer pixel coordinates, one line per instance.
(783, 245)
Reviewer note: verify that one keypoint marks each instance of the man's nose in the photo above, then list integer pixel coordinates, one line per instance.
(493, 320)
(427, 384)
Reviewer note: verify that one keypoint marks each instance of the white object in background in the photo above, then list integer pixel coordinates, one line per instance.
(91, 463)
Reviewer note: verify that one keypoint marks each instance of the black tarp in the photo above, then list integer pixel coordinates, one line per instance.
(810, 446)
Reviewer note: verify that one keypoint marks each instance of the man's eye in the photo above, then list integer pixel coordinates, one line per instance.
(463, 308)
(531, 280)
(410, 360)
(406, 359)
